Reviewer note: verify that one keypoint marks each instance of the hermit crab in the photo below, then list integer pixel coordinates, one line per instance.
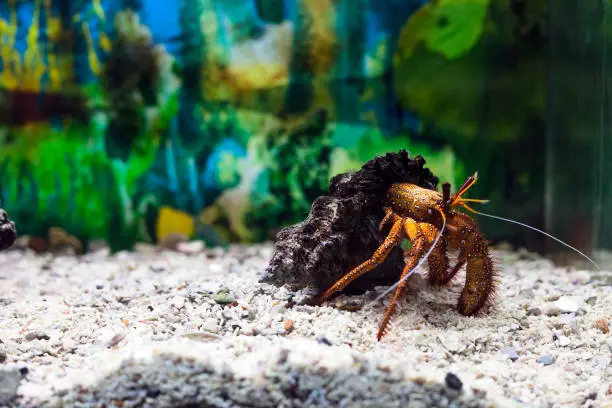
(342, 238)
(429, 218)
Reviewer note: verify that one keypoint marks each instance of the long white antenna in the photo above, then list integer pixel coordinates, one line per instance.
(534, 229)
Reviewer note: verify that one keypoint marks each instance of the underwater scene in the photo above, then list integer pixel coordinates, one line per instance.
(223, 120)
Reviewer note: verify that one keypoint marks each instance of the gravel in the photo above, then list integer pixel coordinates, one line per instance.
(173, 329)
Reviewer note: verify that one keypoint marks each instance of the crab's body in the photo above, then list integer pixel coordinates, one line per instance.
(411, 201)
(421, 215)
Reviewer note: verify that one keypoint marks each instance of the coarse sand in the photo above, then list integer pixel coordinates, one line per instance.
(163, 328)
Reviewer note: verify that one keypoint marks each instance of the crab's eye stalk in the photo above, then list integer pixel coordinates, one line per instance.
(457, 198)
(446, 193)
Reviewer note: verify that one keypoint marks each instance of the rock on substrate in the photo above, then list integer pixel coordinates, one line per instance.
(10, 378)
(8, 231)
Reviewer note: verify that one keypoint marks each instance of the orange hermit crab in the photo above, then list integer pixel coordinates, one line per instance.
(430, 220)
(340, 234)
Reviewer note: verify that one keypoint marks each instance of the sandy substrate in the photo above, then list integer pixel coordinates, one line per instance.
(170, 329)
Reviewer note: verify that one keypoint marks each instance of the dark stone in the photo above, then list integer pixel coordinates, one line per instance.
(153, 392)
(323, 340)
(453, 382)
(534, 311)
(341, 230)
(8, 231)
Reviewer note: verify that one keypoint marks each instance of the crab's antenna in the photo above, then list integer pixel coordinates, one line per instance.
(532, 228)
(418, 265)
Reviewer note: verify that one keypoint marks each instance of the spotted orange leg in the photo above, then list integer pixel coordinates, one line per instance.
(419, 234)
(395, 236)
(389, 215)
(460, 262)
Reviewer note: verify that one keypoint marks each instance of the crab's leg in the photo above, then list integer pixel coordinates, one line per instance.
(438, 259)
(460, 262)
(481, 279)
(396, 235)
(480, 282)
(438, 272)
(419, 241)
(388, 216)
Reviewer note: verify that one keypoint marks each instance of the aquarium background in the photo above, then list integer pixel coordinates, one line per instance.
(222, 120)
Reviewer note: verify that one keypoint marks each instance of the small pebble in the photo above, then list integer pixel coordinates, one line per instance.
(68, 344)
(157, 267)
(566, 320)
(210, 325)
(453, 382)
(349, 304)
(153, 392)
(323, 340)
(9, 383)
(553, 298)
(602, 325)
(178, 302)
(527, 293)
(564, 341)
(510, 352)
(451, 343)
(202, 336)
(36, 335)
(223, 297)
(569, 304)
(546, 360)
(534, 311)
(552, 310)
(191, 247)
(288, 326)
(421, 340)
(115, 340)
(580, 277)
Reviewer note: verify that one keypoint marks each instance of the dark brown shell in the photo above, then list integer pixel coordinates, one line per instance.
(8, 232)
(341, 230)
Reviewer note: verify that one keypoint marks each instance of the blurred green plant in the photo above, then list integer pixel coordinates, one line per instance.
(369, 143)
(466, 68)
(474, 68)
(298, 170)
